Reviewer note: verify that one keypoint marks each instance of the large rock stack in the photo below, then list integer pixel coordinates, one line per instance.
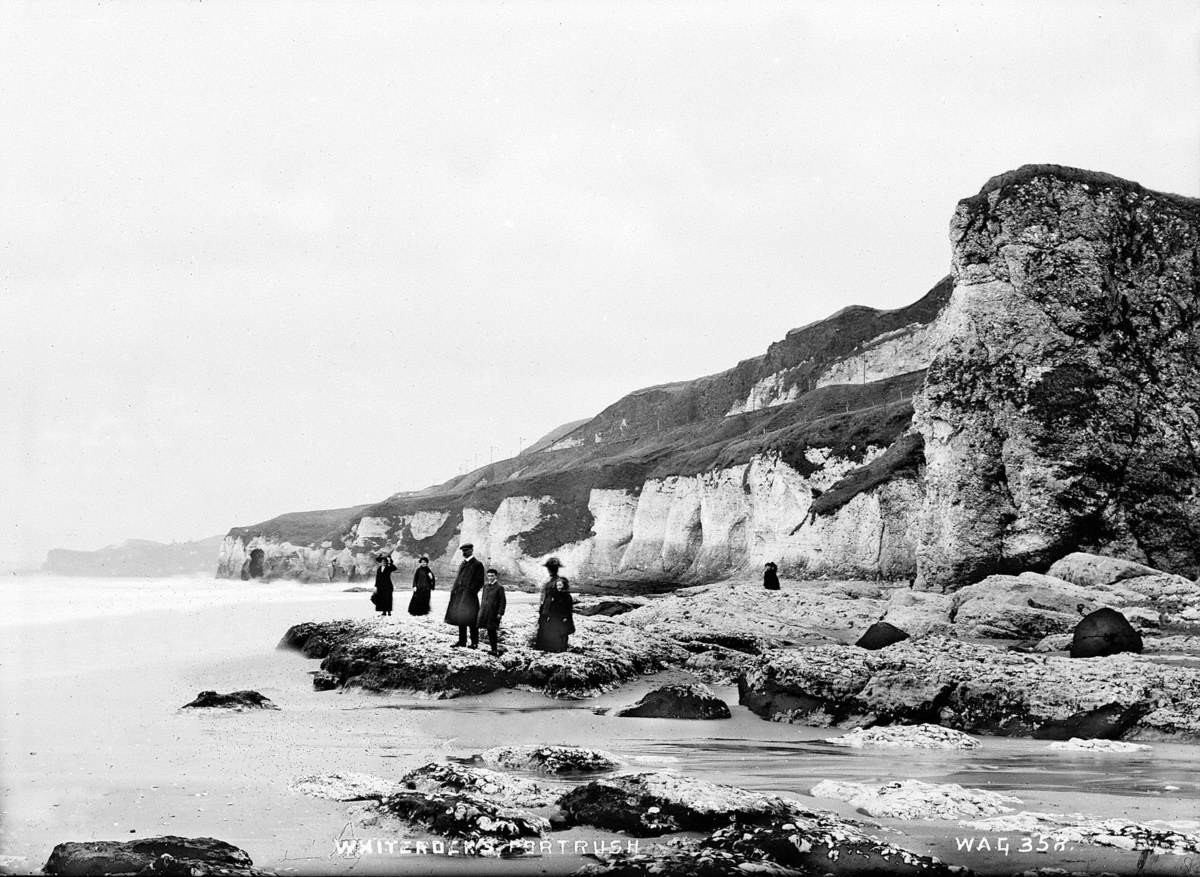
(1060, 411)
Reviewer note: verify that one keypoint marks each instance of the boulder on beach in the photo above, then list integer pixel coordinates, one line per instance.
(554, 760)
(746, 832)
(1029, 606)
(323, 681)
(398, 653)
(234, 700)
(880, 635)
(500, 788)
(168, 855)
(913, 799)
(1104, 632)
(1096, 571)
(975, 688)
(905, 737)
(678, 702)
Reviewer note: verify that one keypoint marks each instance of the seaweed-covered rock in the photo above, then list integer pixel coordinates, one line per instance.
(913, 799)
(654, 803)
(501, 788)
(976, 688)
(234, 700)
(905, 737)
(1104, 632)
(400, 653)
(168, 855)
(554, 760)
(802, 843)
(880, 635)
(607, 605)
(464, 815)
(678, 702)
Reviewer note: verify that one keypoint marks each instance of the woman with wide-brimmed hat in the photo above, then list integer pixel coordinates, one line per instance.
(556, 613)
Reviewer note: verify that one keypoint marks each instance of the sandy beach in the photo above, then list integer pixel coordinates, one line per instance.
(96, 747)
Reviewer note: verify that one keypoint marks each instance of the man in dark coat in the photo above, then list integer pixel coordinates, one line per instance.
(492, 604)
(463, 608)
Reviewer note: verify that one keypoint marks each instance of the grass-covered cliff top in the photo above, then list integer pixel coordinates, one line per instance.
(1028, 172)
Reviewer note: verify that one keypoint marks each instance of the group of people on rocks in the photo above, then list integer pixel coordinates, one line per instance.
(477, 601)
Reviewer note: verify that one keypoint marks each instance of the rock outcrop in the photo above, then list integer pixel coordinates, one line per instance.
(168, 855)
(1104, 632)
(678, 702)
(1060, 411)
(913, 799)
(977, 689)
(555, 760)
(234, 700)
(400, 654)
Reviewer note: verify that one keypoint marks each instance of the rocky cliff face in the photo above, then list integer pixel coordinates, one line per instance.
(687, 482)
(1056, 410)
(1060, 411)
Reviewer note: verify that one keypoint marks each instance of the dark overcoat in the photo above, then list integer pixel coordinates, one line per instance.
(771, 579)
(492, 604)
(423, 582)
(556, 619)
(382, 598)
(463, 607)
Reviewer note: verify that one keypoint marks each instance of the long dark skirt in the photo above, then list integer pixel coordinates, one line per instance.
(552, 633)
(419, 603)
(383, 597)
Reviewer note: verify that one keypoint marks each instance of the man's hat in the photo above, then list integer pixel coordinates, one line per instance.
(467, 547)
(552, 563)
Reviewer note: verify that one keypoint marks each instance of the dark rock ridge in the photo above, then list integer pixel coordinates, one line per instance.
(759, 445)
(977, 689)
(1061, 408)
(168, 855)
(136, 558)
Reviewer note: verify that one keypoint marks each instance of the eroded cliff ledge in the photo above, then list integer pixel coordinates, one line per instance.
(1059, 412)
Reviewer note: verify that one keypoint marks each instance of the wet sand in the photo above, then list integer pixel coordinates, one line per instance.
(95, 746)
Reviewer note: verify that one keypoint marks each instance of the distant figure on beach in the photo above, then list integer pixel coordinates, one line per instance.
(423, 584)
(492, 604)
(463, 608)
(556, 613)
(382, 597)
(771, 577)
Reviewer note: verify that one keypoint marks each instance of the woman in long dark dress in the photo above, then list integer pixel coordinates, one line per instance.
(770, 577)
(423, 584)
(382, 598)
(556, 618)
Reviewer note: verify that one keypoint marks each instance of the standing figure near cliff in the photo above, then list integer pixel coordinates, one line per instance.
(423, 584)
(492, 604)
(556, 613)
(463, 608)
(771, 577)
(382, 597)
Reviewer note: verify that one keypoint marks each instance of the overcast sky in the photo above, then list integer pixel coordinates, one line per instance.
(258, 258)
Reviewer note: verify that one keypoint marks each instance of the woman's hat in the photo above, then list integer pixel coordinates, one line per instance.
(552, 563)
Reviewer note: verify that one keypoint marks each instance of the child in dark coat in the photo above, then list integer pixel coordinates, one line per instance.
(492, 603)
